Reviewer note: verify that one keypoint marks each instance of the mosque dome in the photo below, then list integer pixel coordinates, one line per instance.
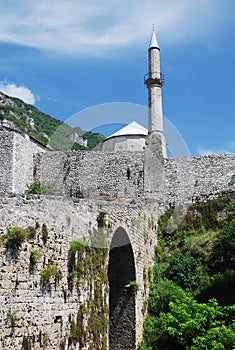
(130, 138)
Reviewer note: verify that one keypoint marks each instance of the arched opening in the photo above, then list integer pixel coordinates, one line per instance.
(121, 272)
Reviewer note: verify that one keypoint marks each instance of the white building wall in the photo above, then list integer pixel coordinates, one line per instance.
(124, 143)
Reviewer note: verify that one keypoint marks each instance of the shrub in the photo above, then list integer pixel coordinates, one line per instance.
(76, 246)
(135, 285)
(34, 188)
(35, 256)
(40, 189)
(50, 271)
(223, 250)
(15, 237)
(184, 270)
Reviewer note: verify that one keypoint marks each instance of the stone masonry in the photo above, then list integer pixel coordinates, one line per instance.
(99, 196)
(34, 315)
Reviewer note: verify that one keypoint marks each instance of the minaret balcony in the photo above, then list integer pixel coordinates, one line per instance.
(154, 78)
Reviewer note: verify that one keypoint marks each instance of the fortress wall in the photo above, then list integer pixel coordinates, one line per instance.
(16, 161)
(6, 160)
(91, 174)
(34, 315)
(121, 175)
(191, 178)
(24, 150)
(49, 169)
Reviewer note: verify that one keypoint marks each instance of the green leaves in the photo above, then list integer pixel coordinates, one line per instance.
(199, 326)
(76, 246)
(195, 265)
(184, 270)
(223, 251)
(40, 188)
(15, 237)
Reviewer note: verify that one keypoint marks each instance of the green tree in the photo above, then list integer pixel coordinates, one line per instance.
(184, 270)
(198, 326)
(223, 250)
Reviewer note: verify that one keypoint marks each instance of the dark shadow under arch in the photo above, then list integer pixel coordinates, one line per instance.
(121, 272)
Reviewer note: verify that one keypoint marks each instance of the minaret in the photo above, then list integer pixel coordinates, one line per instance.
(154, 81)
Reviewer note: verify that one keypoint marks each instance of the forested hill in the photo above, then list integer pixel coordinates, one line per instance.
(17, 114)
(192, 295)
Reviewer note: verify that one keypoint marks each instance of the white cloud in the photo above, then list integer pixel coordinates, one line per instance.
(21, 92)
(74, 26)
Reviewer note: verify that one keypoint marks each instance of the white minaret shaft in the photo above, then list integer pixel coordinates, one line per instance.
(154, 82)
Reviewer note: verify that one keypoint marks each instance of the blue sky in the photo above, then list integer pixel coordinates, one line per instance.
(65, 56)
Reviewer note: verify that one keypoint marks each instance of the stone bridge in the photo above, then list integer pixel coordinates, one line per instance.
(111, 291)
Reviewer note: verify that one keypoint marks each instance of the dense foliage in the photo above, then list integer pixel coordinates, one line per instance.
(191, 300)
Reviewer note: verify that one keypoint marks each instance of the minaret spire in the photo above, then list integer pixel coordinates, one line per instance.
(154, 81)
(153, 41)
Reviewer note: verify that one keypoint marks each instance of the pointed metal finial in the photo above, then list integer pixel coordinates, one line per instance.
(153, 41)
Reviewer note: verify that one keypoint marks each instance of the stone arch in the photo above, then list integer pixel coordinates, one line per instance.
(121, 272)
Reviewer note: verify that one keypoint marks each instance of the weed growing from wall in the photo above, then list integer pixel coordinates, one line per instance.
(15, 237)
(51, 271)
(87, 266)
(41, 189)
(101, 219)
(76, 246)
(135, 285)
(14, 318)
(77, 330)
(44, 233)
(35, 256)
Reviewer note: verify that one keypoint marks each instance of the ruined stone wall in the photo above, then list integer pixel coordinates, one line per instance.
(90, 174)
(69, 310)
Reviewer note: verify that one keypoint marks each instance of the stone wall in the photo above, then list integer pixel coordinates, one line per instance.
(36, 312)
(135, 175)
(24, 150)
(6, 160)
(16, 161)
(90, 174)
(193, 178)
(134, 187)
